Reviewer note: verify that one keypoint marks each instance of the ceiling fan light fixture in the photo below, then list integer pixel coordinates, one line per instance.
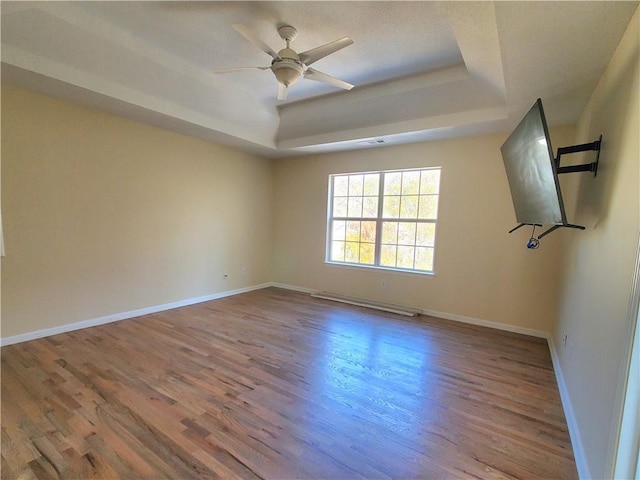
(287, 71)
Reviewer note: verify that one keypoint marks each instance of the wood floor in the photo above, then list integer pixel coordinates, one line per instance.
(276, 384)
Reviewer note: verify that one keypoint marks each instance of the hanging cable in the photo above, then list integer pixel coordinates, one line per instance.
(533, 242)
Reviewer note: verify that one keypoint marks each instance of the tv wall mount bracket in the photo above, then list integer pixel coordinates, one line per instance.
(583, 147)
(585, 167)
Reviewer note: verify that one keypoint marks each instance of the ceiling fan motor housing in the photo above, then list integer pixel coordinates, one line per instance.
(288, 68)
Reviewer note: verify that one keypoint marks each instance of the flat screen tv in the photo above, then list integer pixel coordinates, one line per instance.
(532, 171)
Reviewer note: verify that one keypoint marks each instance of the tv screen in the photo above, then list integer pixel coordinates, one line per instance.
(532, 172)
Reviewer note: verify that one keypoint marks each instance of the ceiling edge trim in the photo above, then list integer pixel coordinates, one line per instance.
(45, 69)
(418, 125)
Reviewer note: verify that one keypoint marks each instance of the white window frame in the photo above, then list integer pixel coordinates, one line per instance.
(379, 219)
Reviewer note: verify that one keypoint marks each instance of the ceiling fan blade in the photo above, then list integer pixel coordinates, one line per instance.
(317, 53)
(283, 92)
(248, 34)
(312, 74)
(239, 69)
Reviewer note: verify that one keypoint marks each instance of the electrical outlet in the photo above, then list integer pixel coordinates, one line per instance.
(225, 276)
(383, 283)
(564, 340)
(243, 272)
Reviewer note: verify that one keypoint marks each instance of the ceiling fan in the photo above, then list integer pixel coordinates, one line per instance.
(287, 65)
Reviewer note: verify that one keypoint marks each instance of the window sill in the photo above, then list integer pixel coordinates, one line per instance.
(354, 266)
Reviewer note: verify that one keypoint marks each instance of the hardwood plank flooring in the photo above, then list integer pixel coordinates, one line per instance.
(276, 384)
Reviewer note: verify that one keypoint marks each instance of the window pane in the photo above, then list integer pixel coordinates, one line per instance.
(337, 251)
(340, 207)
(410, 183)
(392, 183)
(424, 258)
(340, 186)
(428, 206)
(407, 218)
(353, 231)
(390, 232)
(371, 184)
(409, 206)
(405, 257)
(388, 255)
(367, 253)
(338, 230)
(407, 233)
(425, 235)
(430, 181)
(368, 232)
(355, 207)
(370, 207)
(355, 185)
(352, 252)
(391, 207)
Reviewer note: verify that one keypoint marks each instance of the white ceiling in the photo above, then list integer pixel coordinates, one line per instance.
(422, 70)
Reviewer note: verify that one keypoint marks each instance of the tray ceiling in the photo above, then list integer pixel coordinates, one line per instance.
(422, 70)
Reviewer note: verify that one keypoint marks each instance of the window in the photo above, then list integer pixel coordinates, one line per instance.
(384, 219)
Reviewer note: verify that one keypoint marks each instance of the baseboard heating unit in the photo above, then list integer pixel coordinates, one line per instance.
(363, 302)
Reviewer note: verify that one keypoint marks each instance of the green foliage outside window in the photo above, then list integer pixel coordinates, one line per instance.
(384, 219)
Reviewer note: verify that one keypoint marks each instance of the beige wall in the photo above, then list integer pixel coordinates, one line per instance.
(481, 271)
(599, 262)
(103, 215)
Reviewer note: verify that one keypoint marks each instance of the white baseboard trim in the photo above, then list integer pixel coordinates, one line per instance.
(47, 332)
(447, 316)
(293, 287)
(487, 323)
(362, 302)
(572, 423)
